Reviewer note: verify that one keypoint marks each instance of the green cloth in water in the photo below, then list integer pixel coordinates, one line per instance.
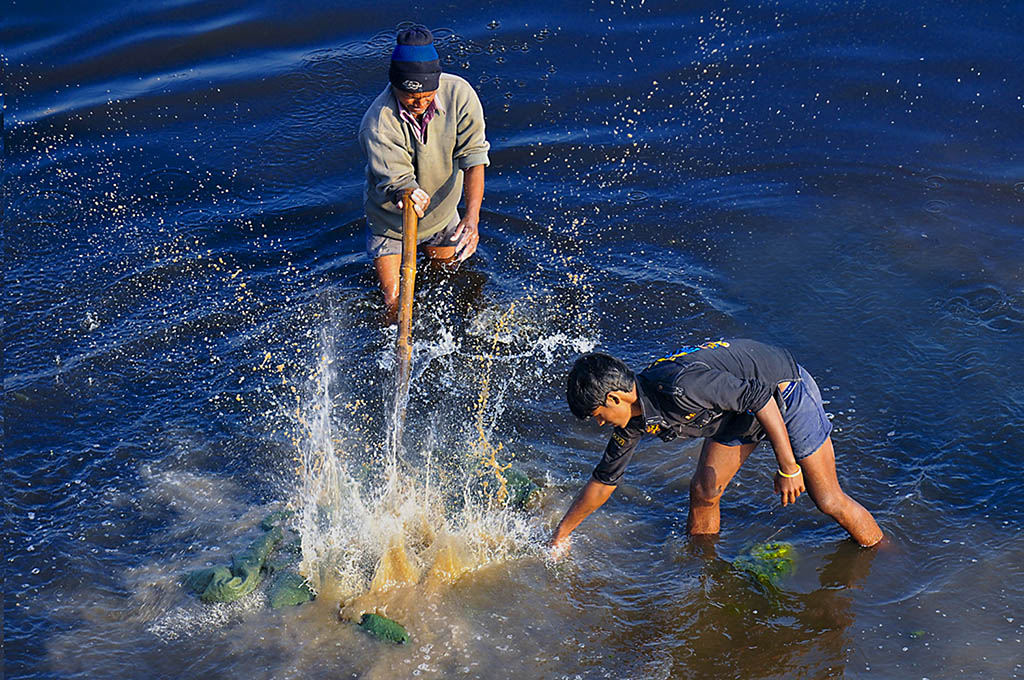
(276, 519)
(221, 584)
(288, 589)
(522, 492)
(383, 628)
(285, 557)
(767, 563)
(198, 580)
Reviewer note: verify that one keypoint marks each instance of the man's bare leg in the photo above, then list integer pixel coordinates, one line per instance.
(387, 268)
(819, 471)
(717, 465)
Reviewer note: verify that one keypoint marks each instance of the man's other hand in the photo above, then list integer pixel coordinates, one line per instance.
(467, 237)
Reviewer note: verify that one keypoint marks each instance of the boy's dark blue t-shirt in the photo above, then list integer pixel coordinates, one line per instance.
(708, 390)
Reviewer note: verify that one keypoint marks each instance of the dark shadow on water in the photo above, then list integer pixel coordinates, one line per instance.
(806, 632)
(731, 626)
(456, 291)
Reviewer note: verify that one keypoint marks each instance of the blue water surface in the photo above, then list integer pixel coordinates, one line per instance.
(183, 240)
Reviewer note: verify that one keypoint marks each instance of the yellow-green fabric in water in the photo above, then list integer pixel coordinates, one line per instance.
(767, 563)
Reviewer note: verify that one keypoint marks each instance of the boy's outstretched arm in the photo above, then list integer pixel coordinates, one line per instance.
(788, 488)
(590, 498)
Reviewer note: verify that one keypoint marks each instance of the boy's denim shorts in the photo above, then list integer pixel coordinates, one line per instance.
(379, 246)
(805, 418)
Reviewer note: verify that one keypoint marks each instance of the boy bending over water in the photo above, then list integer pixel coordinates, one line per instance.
(734, 394)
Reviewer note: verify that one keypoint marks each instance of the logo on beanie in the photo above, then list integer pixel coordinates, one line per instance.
(412, 85)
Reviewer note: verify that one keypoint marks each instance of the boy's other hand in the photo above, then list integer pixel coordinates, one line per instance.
(789, 488)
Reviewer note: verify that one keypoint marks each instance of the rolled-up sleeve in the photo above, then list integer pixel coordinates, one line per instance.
(471, 144)
(723, 391)
(388, 162)
(617, 454)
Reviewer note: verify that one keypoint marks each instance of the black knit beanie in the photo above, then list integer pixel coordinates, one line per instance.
(415, 66)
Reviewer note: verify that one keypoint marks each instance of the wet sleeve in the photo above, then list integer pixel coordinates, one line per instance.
(471, 145)
(388, 161)
(723, 391)
(617, 454)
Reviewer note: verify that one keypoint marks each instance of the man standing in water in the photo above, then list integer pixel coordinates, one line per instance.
(731, 393)
(424, 132)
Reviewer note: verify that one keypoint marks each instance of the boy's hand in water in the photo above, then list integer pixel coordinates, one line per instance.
(558, 549)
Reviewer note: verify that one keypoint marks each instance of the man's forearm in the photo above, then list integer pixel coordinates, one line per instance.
(473, 190)
(590, 498)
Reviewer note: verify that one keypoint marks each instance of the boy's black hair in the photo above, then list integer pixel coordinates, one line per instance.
(592, 377)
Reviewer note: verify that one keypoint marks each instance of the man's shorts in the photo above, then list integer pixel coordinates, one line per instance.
(805, 418)
(379, 246)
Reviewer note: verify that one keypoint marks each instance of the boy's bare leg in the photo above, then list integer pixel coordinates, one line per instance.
(819, 470)
(387, 268)
(717, 465)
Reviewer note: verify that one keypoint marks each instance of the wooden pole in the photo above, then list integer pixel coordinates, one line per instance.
(410, 229)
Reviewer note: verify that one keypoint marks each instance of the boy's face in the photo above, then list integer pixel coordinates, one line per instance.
(615, 410)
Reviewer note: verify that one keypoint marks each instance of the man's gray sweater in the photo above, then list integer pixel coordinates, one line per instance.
(396, 159)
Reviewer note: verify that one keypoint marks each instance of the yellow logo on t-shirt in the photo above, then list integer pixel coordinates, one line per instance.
(653, 429)
(693, 348)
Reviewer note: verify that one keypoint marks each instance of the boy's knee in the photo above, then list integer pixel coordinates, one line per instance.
(704, 487)
(832, 504)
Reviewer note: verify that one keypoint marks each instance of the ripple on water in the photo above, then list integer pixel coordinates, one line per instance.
(308, 99)
(327, 84)
(48, 205)
(170, 185)
(987, 306)
(637, 196)
(34, 238)
(378, 46)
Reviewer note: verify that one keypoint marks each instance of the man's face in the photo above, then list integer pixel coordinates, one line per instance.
(414, 102)
(615, 410)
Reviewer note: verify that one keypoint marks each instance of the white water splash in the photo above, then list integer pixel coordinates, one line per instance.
(363, 536)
